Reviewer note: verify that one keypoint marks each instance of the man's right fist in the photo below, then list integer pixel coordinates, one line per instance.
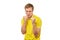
(25, 18)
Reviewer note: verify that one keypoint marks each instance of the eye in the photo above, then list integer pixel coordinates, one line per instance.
(26, 11)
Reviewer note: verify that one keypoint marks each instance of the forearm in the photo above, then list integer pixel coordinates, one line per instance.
(35, 31)
(23, 29)
(34, 27)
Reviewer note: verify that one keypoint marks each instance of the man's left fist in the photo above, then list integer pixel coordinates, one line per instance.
(33, 20)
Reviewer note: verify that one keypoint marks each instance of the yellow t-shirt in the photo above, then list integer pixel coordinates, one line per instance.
(29, 28)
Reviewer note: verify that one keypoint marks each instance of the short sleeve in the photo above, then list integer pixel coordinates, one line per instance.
(38, 22)
(22, 21)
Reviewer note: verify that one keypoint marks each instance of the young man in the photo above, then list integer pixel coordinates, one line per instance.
(31, 24)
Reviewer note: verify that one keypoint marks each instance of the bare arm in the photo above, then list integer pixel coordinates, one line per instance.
(23, 28)
(36, 30)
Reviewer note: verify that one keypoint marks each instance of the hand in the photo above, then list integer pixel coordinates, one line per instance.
(33, 20)
(25, 18)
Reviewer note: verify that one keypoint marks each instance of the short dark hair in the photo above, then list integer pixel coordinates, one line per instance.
(29, 5)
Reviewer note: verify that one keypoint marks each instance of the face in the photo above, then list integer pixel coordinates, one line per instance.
(29, 12)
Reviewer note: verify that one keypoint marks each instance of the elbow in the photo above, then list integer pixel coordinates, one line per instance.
(35, 33)
(23, 31)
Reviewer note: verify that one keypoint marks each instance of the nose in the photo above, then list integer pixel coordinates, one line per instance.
(28, 13)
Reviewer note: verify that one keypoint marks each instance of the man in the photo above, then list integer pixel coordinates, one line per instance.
(31, 24)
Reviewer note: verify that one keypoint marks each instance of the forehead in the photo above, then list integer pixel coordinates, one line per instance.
(30, 8)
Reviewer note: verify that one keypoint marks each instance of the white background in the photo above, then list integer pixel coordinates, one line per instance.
(11, 12)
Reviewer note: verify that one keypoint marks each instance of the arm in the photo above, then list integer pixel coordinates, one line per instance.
(36, 30)
(36, 26)
(23, 28)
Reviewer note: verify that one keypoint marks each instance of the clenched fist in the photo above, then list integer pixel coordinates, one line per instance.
(25, 18)
(33, 20)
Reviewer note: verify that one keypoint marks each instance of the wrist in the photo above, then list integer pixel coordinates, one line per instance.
(25, 23)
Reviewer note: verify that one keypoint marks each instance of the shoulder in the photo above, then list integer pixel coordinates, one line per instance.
(36, 17)
(22, 19)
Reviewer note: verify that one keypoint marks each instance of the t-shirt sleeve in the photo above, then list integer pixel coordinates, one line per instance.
(38, 23)
(22, 21)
